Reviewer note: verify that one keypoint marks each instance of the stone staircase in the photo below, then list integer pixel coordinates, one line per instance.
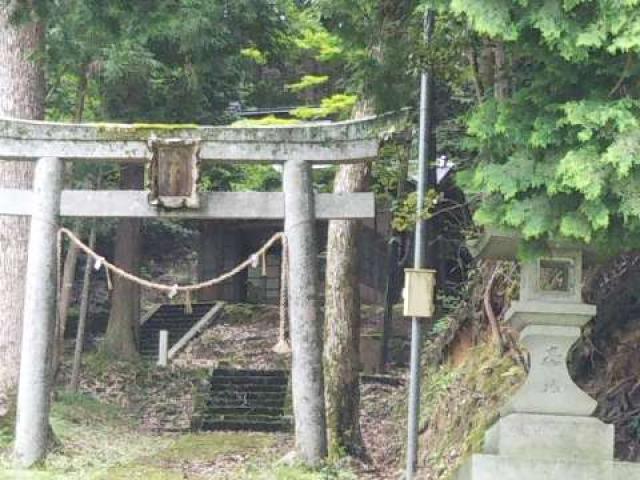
(253, 400)
(173, 319)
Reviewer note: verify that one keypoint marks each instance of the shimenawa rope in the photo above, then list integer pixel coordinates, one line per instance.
(173, 290)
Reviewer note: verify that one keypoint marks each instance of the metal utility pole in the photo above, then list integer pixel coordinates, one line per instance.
(424, 149)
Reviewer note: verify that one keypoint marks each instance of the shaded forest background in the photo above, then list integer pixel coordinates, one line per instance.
(536, 105)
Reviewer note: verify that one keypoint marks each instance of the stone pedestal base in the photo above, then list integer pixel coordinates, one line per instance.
(549, 437)
(498, 467)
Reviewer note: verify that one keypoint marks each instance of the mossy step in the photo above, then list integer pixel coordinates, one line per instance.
(243, 402)
(246, 380)
(229, 396)
(228, 393)
(249, 388)
(240, 372)
(254, 426)
(155, 330)
(245, 410)
(245, 417)
(180, 308)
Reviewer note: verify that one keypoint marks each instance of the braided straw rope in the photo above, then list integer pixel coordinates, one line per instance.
(172, 290)
(283, 346)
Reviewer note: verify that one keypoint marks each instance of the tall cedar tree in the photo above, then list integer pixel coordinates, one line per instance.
(22, 91)
(559, 158)
(376, 39)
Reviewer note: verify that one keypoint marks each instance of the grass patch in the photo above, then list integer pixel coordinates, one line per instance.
(294, 472)
(95, 437)
(99, 364)
(78, 408)
(139, 472)
(99, 440)
(204, 447)
(6, 437)
(27, 475)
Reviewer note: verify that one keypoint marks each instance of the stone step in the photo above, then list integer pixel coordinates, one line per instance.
(244, 411)
(227, 372)
(249, 380)
(247, 399)
(179, 309)
(249, 388)
(232, 396)
(182, 326)
(253, 426)
(247, 418)
(173, 319)
(241, 402)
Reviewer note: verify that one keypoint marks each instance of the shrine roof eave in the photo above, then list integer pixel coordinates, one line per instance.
(340, 142)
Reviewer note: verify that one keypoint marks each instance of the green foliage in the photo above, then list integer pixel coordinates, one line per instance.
(339, 105)
(243, 178)
(325, 46)
(405, 213)
(255, 55)
(557, 159)
(6, 434)
(161, 69)
(265, 121)
(307, 82)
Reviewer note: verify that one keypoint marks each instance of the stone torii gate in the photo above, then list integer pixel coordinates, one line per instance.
(174, 153)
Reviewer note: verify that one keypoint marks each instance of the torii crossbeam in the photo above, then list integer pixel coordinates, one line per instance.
(296, 147)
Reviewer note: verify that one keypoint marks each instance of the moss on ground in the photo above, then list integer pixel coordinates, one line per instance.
(78, 408)
(6, 435)
(204, 447)
(244, 312)
(293, 472)
(101, 441)
(140, 472)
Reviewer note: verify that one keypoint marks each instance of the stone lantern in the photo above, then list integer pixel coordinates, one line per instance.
(546, 431)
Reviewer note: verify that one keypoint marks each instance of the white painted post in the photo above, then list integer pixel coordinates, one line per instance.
(163, 348)
(305, 321)
(32, 423)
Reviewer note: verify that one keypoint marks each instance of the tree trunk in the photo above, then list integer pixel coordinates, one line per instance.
(64, 302)
(22, 90)
(472, 56)
(487, 65)
(71, 258)
(502, 79)
(82, 319)
(393, 274)
(120, 339)
(342, 324)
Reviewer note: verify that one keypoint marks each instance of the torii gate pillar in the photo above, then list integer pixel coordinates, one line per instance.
(304, 318)
(32, 421)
